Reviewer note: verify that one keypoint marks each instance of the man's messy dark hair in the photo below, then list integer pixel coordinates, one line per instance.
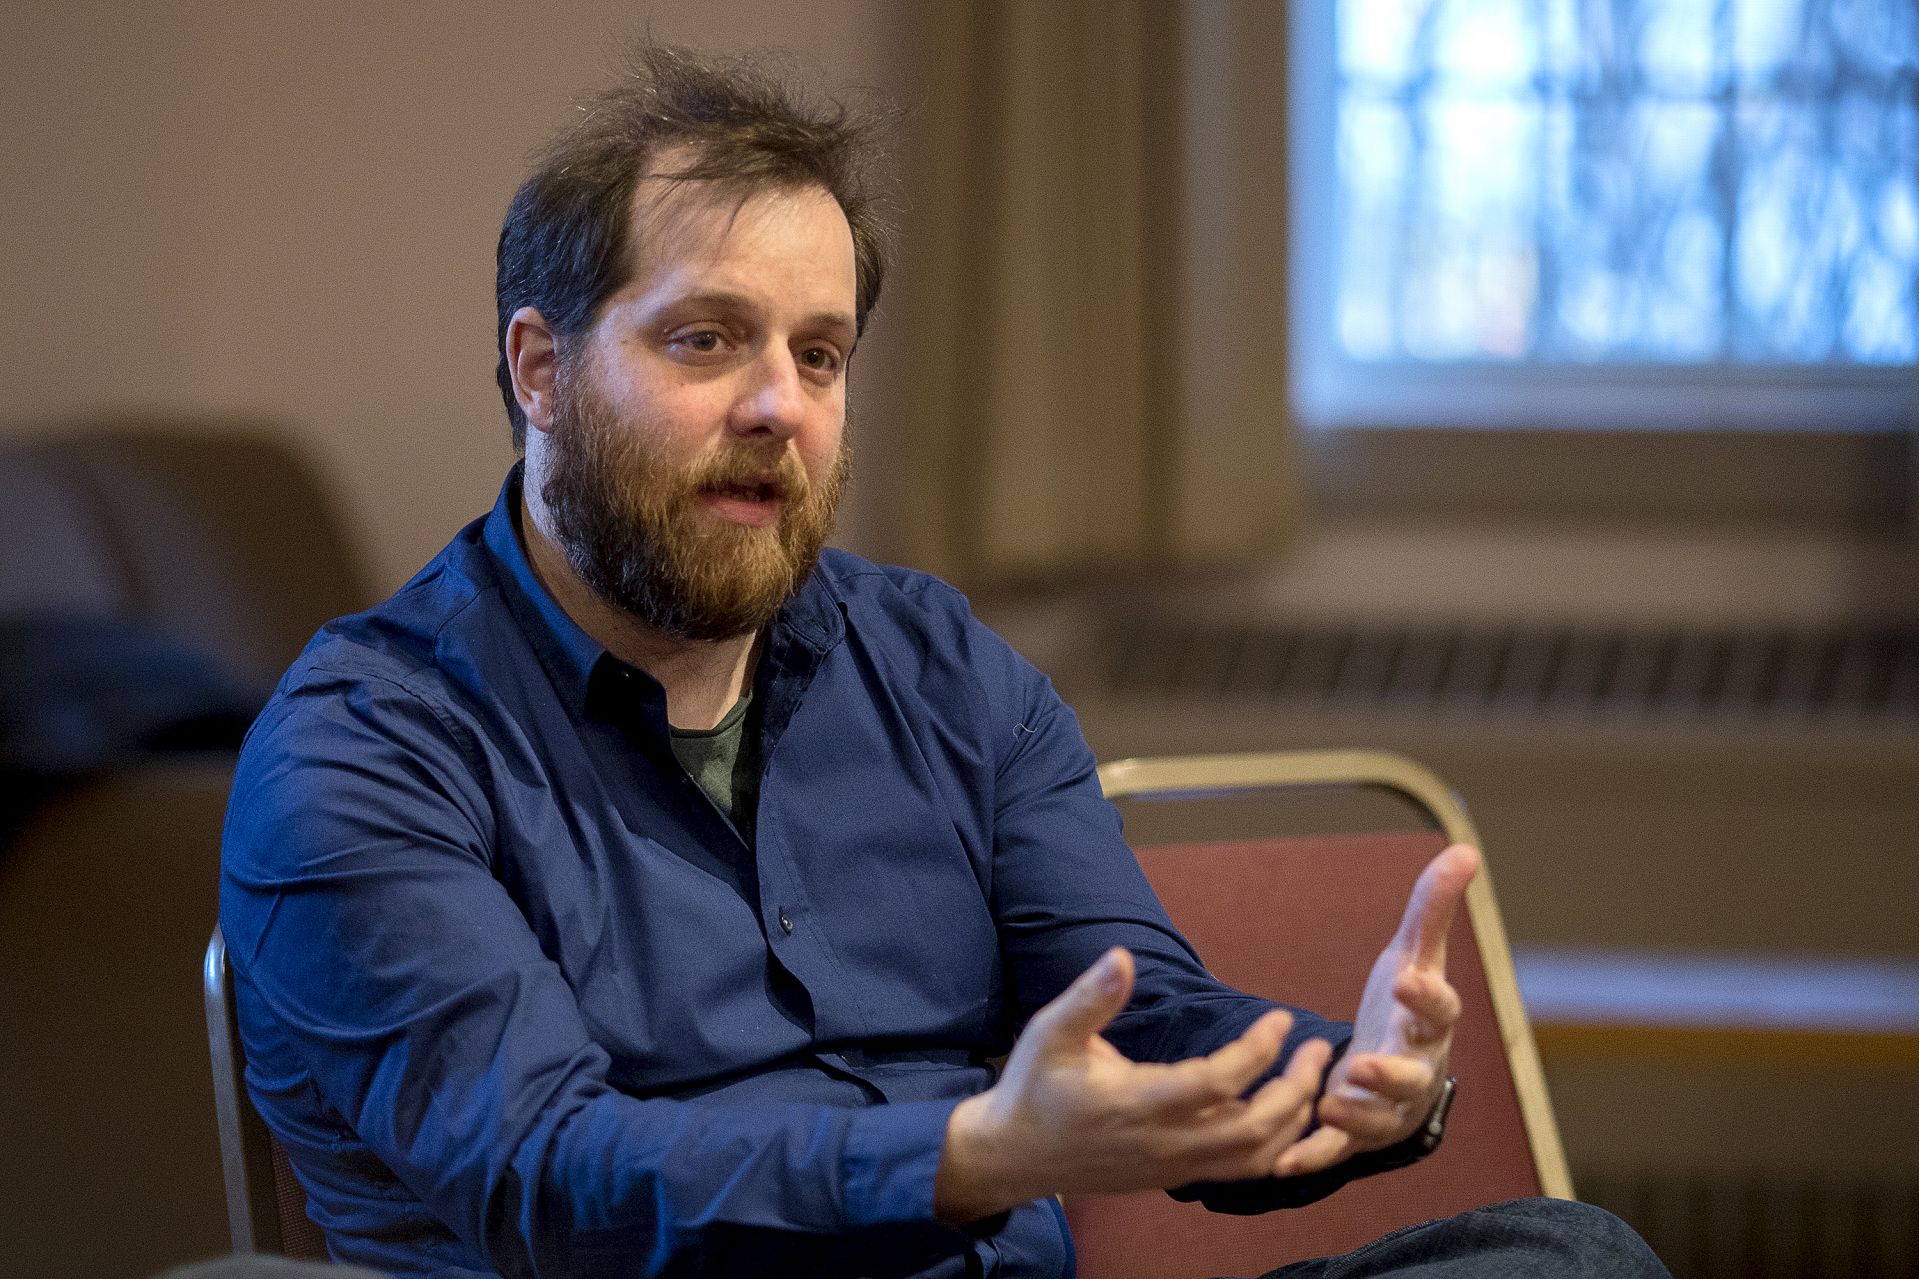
(565, 245)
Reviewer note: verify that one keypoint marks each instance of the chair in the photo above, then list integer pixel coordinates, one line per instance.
(266, 1206)
(1301, 920)
(224, 549)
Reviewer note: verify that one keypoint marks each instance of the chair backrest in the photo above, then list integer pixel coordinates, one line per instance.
(266, 1206)
(1301, 920)
(223, 537)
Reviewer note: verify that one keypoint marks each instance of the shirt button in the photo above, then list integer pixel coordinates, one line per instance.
(786, 924)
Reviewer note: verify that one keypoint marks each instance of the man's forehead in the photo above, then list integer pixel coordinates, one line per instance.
(676, 219)
(680, 213)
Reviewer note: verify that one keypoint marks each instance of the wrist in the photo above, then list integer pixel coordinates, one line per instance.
(1432, 1128)
(975, 1177)
(1421, 1141)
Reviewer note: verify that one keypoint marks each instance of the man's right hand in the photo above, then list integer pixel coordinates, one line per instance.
(1069, 1113)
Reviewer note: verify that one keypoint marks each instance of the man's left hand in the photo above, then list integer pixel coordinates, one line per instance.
(1387, 1082)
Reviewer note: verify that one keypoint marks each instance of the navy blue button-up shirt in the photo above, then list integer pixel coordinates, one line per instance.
(518, 999)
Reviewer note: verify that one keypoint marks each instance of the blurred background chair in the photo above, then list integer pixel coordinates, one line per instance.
(1300, 919)
(154, 580)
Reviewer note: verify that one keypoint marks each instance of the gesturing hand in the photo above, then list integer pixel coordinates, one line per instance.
(1070, 1113)
(1387, 1081)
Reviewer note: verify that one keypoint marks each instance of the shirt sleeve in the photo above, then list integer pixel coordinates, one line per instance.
(1066, 887)
(361, 910)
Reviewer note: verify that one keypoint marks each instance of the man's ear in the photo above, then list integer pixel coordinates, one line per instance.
(531, 361)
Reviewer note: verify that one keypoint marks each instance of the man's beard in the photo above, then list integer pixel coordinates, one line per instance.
(631, 530)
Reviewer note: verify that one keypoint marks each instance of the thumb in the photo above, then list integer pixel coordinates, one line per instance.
(1084, 1008)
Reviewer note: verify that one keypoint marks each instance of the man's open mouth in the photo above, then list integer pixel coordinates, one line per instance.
(767, 490)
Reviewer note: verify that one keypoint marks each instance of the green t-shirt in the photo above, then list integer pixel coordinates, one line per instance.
(725, 762)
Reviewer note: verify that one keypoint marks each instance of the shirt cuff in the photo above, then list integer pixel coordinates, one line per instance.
(891, 1159)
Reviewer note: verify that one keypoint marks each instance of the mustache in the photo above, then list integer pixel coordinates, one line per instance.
(774, 470)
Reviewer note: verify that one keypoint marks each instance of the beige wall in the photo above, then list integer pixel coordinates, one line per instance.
(286, 213)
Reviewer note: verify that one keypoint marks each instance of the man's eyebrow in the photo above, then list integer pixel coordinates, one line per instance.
(723, 298)
(839, 320)
(729, 300)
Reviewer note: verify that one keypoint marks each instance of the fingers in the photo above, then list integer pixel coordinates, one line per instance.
(1084, 1008)
(1226, 1073)
(1318, 1150)
(1295, 1087)
(1431, 1006)
(1076, 1115)
(1396, 1079)
(1435, 900)
(1244, 1142)
(1378, 1099)
(1371, 1119)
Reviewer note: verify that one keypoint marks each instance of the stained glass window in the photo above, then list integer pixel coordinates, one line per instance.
(1666, 184)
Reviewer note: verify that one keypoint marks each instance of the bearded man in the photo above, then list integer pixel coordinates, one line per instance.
(644, 890)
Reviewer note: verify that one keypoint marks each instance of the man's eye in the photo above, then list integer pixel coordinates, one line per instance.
(700, 341)
(820, 357)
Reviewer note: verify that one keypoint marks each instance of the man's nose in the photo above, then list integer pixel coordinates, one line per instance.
(774, 400)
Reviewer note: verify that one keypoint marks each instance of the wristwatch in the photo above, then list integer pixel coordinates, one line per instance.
(1427, 1138)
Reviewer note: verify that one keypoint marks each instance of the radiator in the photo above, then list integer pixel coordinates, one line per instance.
(1708, 1225)
(1864, 675)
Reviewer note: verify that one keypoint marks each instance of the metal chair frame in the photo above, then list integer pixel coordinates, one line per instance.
(247, 1152)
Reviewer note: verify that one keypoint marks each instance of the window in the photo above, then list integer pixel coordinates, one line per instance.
(1606, 213)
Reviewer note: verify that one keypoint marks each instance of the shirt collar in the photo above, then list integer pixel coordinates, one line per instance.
(568, 652)
(805, 629)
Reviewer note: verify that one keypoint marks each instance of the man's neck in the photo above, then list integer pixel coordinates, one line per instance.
(702, 678)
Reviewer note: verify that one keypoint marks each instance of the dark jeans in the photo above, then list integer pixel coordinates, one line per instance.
(1527, 1237)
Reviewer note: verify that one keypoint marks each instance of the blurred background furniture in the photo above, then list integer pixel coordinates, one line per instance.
(134, 561)
(1300, 918)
